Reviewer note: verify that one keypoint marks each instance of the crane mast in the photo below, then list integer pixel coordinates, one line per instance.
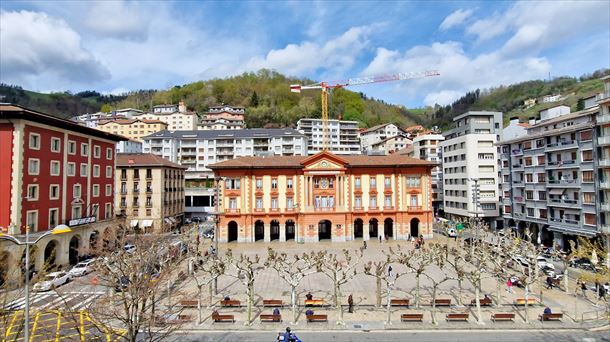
(326, 87)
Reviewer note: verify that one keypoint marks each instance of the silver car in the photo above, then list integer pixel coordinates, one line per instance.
(51, 281)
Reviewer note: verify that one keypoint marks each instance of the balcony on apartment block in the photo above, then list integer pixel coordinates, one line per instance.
(605, 206)
(604, 185)
(603, 141)
(604, 162)
(562, 145)
(603, 119)
(560, 202)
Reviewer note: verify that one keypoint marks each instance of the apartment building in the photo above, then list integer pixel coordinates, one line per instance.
(343, 139)
(92, 120)
(177, 117)
(603, 154)
(389, 145)
(129, 146)
(134, 129)
(198, 149)
(223, 118)
(427, 147)
(374, 135)
(550, 176)
(324, 196)
(150, 192)
(470, 158)
(52, 172)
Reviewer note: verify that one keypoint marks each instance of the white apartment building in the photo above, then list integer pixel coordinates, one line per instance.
(603, 153)
(516, 128)
(344, 138)
(470, 156)
(427, 147)
(176, 117)
(199, 148)
(129, 146)
(374, 135)
(389, 145)
(223, 117)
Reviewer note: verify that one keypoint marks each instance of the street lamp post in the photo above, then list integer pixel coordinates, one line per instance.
(60, 229)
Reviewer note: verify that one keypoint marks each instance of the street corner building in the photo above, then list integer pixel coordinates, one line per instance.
(324, 197)
(52, 172)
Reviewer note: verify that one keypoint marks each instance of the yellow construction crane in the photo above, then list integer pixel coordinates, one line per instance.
(327, 87)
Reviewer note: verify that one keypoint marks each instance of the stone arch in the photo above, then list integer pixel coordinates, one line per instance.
(358, 228)
(232, 231)
(290, 230)
(511, 223)
(521, 230)
(32, 266)
(388, 227)
(325, 230)
(373, 228)
(74, 249)
(274, 227)
(547, 236)
(414, 227)
(259, 230)
(50, 254)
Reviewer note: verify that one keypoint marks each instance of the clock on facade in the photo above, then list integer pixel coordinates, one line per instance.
(324, 183)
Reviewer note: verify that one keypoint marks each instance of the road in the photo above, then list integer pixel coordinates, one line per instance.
(391, 336)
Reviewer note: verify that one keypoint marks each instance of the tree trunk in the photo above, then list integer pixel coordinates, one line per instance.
(417, 291)
(477, 293)
(199, 306)
(211, 293)
(378, 283)
(389, 311)
(498, 293)
(460, 292)
(433, 304)
(527, 294)
(339, 306)
(565, 278)
(293, 301)
(250, 295)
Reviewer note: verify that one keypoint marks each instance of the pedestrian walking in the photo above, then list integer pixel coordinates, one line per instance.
(549, 283)
(509, 286)
(276, 311)
(350, 303)
(380, 239)
(583, 287)
(601, 293)
(364, 244)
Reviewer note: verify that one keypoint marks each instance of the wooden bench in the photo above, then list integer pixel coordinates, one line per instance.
(187, 303)
(503, 317)
(272, 302)
(482, 301)
(457, 317)
(222, 318)
(521, 301)
(230, 303)
(317, 318)
(399, 302)
(412, 317)
(442, 302)
(270, 318)
(551, 317)
(314, 302)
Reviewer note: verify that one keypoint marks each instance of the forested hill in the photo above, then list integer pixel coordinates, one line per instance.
(269, 102)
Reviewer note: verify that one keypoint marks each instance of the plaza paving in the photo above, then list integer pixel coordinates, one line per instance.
(578, 311)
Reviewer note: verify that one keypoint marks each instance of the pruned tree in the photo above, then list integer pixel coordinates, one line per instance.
(437, 254)
(208, 269)
(457, 263)
(477, 269)
(292, 270)
(417, 262)
(139, 279)
(339, 268)
(247, 269)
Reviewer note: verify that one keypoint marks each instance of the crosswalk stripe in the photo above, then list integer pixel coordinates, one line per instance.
(85, 303)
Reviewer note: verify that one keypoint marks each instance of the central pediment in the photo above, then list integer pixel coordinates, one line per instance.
(324, 161)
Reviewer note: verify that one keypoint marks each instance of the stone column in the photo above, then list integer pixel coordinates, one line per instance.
(282, 232)
(267, 230)
(365, 232)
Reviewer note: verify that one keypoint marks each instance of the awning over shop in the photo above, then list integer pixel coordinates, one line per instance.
(134, 223)
(558, 191)
(147, 223)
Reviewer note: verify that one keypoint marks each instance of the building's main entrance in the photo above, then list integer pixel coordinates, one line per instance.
(324, 230)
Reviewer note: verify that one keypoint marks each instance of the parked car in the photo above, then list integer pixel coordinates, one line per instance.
(129, 248)
(583, 263)
(544, 264)
(51, 281)
(81, 268)
(121, 284)
(187, 221)
(209, 234)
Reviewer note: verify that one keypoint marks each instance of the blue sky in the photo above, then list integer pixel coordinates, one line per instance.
(115, 46)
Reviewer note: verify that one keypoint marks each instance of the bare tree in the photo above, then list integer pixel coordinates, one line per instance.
(292, 270)
(457, 263)
(417, 262)
(139, 278)
(477, 270)
(437, 255)
(247, 270)
(339, 268)
(205, 272)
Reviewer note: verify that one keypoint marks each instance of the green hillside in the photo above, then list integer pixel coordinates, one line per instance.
(269, 102)
(64, 105)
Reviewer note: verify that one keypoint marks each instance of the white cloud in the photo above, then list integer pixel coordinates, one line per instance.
(455, 19)
(37, 46)
(117, 19)
(296, 59)
(459, 73)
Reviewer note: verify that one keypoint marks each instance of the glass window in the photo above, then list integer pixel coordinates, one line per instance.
(388, 201)
(358, 202)
(32, 220)
(373, 202)
(259, 183)
(54, 168)
(96, 190)
(289, 183)
(53, 218)
(414, 200)
(259, 203)
(54, 191)
(71, 147)
(357, 183)
(84, 149)
(71, 170)
(274, 183)
(413, 182)
(96, 170)
(32, 192)
(97, 151)
(83, 170)
(76, 190)
(289, 203)
(76, 212)
(35, 141)
(108, 153)
(274, 203)
(108, 191)
(387, 182)
(55, 144)
(373, 182)
(33, 166)
(108, 171)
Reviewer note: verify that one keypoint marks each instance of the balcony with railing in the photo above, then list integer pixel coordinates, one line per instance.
(516, 152)
(563, 182)
(558, 202)
(562, 145)
(604, 162)
(605, 206)
(322, 209)
(414, 208)
(602, 141)
(603, 119)
(604, 185)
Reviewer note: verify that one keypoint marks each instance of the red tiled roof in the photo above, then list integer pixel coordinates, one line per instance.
(130, 121)
(144, 159)
(281, 162)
